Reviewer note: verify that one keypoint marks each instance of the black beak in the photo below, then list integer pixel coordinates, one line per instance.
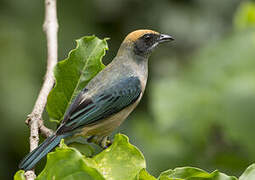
(164, 38)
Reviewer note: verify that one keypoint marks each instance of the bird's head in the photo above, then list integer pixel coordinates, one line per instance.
(143, 42)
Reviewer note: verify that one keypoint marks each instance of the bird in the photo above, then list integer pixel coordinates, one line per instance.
(107, 100)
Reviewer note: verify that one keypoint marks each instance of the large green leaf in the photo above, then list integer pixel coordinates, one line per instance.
(144, 175)
(73, 73)
(190, 173)
(249, 173)
(85, 149)
(19, 175)
(121, 160)
(68, 163)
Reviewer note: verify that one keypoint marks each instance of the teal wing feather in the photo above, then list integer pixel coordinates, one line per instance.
(101, 105)
(37, 154)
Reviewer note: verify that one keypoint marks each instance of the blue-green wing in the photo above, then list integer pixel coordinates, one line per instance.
(102, 105)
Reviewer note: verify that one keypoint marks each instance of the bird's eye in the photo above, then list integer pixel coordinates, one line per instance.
(147, 37)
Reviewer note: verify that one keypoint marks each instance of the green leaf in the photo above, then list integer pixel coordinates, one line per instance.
(120, 161)
(81, 145)
(67, 163)
(249, 173)
(85, 149)
(144, 175)
(19, 175)
(190, 173)
(73, 74)
(245, 16)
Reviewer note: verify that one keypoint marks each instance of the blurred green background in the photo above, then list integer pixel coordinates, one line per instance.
(198, 109)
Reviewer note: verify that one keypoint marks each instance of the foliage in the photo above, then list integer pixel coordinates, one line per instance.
(120, 161)
(19, 175)
(144, 175)
(190, 173)
(245, 16)
(249, 173)
(73, 73)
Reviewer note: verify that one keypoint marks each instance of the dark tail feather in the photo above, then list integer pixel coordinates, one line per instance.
(37, 154)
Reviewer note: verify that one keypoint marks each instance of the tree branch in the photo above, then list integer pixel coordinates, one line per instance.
(34, 119)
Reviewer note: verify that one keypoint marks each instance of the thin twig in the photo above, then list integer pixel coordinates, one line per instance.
(34, 119)
(46, 132)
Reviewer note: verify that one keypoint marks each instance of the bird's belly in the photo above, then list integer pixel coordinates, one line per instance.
(105, 126)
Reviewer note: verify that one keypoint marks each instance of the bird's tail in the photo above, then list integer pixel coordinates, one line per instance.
(37, 154)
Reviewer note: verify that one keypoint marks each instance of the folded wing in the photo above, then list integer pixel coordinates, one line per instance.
(101, 105)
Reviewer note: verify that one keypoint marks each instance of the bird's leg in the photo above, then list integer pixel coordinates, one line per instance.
(105, 142)
(102, 141)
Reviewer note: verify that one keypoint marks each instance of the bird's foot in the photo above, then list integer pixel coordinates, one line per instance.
(106, 142)
(102, 141)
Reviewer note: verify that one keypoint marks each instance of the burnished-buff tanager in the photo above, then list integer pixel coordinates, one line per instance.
(108, 98)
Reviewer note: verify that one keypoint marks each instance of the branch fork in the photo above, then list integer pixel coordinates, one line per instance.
(34, 120)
